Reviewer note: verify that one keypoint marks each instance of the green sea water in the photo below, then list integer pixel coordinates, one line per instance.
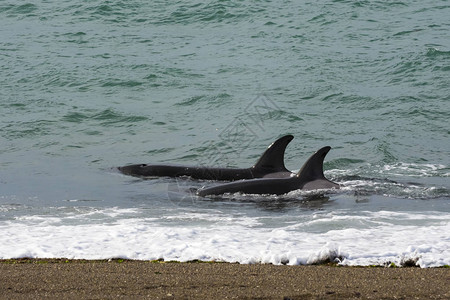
(89, 85)
(86, 86)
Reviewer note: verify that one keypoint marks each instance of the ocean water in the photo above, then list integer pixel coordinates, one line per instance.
(86, 86)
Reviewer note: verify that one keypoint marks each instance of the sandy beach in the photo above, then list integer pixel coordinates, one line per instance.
(76, 279)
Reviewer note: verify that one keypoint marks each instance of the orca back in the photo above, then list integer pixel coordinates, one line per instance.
(272, 160)
(311, 174)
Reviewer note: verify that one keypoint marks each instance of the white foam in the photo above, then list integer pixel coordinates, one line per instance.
(214, 217)
(396, 169)
(367, 239)
(412, 169)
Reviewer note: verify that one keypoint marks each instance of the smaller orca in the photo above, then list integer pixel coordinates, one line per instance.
(310, 177)
(269, 165)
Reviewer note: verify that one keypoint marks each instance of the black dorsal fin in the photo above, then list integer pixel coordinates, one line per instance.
(273, 158)
(313, 168)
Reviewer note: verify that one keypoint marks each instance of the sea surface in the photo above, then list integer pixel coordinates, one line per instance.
(86, 86)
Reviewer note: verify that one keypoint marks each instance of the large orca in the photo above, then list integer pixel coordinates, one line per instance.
(310, 177)
(269, 165)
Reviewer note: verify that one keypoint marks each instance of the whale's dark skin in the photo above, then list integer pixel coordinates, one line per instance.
(269, 165)
(310, 177)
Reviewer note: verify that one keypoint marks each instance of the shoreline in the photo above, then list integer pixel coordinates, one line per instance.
(120, 278)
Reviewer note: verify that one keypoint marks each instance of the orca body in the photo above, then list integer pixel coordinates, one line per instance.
(269, 165)
(310, 177)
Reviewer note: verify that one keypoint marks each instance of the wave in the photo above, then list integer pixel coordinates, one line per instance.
(211, 12)
(106, 117)
(401, 180)
(375, 245)
(12, 10)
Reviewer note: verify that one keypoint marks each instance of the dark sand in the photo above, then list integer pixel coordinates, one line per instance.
(58, 279)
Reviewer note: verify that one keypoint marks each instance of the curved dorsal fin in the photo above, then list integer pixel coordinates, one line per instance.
(273, 158)
(313, 167)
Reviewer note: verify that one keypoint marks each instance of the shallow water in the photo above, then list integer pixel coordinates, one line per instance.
(88, 86)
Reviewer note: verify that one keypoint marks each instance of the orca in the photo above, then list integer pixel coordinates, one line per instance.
(269, 165)
(310, 177)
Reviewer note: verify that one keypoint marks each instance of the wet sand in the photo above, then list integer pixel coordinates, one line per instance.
(61, 279)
